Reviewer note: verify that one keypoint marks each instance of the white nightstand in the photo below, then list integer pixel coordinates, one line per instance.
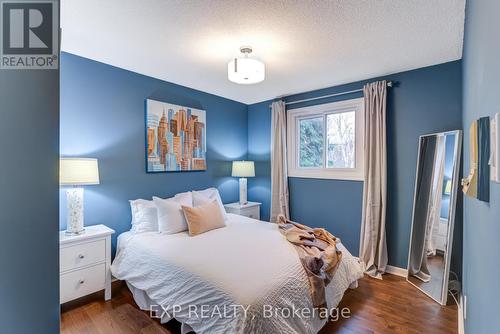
(250, 210)
(84, 262)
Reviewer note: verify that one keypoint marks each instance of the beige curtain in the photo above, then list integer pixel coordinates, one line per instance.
(434, 214)
(373, 245)
(279, 173)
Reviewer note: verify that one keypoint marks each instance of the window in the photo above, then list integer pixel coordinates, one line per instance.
(326, 141)
(311, 142)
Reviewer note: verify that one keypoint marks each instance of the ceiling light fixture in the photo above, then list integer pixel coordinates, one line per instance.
(245, 70)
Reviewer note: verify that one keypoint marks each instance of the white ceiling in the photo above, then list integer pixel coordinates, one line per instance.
(305, 44)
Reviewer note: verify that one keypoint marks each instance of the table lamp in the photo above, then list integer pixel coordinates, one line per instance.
(243, 169)
(447, 188)
(77, 172)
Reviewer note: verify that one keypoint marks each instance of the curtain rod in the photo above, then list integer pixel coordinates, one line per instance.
(389, 84)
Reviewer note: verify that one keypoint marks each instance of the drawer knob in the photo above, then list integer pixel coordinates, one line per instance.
(81, 256)
(82, 281)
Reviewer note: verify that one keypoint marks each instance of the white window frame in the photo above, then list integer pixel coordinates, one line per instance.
(293, 118)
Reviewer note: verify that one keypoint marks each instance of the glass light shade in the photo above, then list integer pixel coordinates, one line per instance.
(78, 171)
(243, 169)
(246, 71)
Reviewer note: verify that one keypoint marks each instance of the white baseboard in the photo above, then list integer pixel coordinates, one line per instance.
(461, 318)
(396, 271)
(401, 272)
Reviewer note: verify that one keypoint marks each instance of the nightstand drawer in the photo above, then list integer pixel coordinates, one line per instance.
(252, 212)
(82, 282)
(81, 255)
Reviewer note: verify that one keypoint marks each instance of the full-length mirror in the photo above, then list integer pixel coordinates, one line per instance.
(434, 204)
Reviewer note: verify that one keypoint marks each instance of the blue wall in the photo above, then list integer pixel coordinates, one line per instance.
(29, 186)
(102, 116)
(259, 150)
(481, 87)
(426, 100)
(333, 204)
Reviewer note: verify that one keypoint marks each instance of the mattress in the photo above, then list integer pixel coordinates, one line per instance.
(243, 278)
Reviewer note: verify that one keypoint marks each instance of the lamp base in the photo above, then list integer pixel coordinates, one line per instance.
(243, 191)
(75, 233)
(74, 198)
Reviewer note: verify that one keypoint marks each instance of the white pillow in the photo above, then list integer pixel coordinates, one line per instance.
(207, 196)
(170, 216)
(185, 199)
(144, 216)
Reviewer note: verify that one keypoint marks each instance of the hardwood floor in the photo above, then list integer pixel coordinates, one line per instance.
(393, 306)
(388, 306)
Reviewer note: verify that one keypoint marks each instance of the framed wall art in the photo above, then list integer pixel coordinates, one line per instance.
(175, 138)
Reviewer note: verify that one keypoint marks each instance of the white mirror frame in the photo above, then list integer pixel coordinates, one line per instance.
(451, 213)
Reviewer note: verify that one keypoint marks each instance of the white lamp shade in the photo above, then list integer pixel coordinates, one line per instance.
(243, 169)
(246, 71)
(78, 171)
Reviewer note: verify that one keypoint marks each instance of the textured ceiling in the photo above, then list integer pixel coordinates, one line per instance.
(305, 45)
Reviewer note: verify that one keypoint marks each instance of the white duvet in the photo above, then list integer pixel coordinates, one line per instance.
(243, 278)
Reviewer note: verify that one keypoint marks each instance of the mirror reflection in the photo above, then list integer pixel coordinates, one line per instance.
(434, 213)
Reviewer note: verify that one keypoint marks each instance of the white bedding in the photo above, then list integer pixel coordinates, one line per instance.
(247, 263)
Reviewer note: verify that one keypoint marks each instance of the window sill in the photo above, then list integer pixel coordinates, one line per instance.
(326, 175)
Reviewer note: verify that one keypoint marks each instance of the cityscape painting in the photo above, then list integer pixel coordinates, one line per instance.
(175, 138)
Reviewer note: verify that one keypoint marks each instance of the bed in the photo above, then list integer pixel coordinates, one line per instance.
(243, 278)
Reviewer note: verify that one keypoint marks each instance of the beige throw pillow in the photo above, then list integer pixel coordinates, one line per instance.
(203, 218)
(207, 196)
